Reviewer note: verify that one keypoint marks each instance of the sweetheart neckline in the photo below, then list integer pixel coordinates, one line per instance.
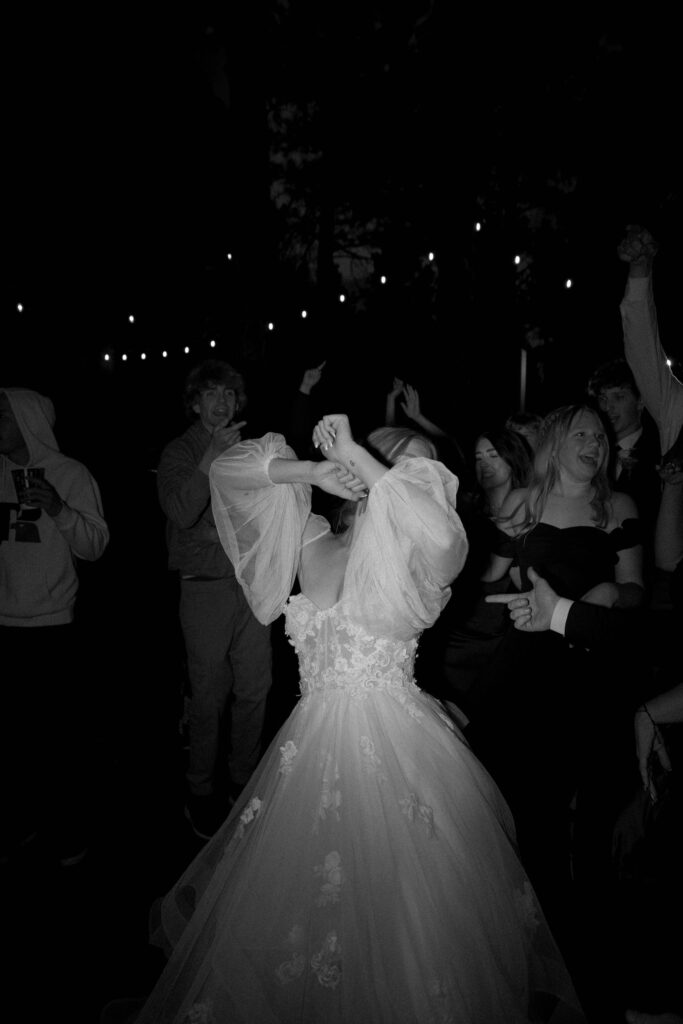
(313, 604)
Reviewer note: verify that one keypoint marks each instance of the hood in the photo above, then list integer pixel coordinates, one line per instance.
(35, 415)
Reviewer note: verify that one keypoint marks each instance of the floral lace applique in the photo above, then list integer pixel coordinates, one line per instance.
(440, 999)
(371, 761)
(336, 653)
(409, 705)
(333, 875)
(327, 963)
(290, 970)
(414, 810)
(200, 1013)
(249, 814)
(288, 753)
(527, 906)
(330, 796)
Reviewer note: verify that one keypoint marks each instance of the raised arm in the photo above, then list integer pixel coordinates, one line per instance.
(261, 501)
(392, 396)
(661, 391)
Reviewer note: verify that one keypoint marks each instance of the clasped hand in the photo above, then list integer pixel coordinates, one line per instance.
(332, 435)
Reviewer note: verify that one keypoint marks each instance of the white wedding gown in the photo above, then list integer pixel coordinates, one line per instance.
(368, 874)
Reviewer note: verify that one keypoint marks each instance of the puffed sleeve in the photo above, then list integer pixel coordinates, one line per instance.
(260, 524)
(409, 545)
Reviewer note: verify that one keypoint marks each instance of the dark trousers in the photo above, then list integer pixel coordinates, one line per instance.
(229, 668)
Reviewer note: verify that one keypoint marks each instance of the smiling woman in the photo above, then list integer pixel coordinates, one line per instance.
(549, 719)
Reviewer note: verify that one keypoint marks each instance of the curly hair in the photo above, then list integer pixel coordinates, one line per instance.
(208, 374)
(546, 467)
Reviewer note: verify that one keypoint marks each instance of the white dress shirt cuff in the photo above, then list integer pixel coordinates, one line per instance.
(560, 613)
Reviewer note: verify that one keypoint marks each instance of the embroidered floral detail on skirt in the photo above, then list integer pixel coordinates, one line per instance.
(291, 969)
(288, 753)
(415, 811)
(333, 876)
(249, 814)
(327, 963)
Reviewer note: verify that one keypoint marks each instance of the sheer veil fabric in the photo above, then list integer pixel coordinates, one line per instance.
(369, 871)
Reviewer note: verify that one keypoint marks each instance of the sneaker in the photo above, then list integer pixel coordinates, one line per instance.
(205, 815)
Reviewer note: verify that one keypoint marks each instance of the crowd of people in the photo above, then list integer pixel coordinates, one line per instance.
(455, 837)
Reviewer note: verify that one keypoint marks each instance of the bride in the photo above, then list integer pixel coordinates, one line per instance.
(369, 872)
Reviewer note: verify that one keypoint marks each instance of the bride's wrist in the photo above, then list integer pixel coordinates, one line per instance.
(352, 456)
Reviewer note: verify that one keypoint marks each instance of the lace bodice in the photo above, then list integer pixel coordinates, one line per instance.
(336, 653)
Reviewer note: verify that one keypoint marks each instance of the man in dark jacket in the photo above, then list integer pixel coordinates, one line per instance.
(228, 650)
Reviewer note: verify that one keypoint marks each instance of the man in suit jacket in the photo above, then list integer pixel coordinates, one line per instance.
(635, 438)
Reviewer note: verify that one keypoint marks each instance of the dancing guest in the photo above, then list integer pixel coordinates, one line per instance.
(536, 736)
(468, 633)
(368, 871)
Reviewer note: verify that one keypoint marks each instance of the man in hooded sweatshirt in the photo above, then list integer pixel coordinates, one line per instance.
(43, 530)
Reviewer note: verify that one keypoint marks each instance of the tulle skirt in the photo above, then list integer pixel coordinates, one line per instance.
(368, 875)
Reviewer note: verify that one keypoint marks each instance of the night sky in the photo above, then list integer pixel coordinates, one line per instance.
(141, 152)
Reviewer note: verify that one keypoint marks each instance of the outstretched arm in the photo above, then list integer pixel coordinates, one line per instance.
(661, 391)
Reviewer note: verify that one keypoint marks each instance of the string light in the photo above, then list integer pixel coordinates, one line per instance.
(431, 256)
(477, 226)
(668, 362)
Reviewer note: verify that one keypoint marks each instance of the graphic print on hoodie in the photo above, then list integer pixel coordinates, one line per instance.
(38, 579)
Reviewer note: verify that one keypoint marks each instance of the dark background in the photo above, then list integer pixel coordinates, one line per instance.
(141, 150)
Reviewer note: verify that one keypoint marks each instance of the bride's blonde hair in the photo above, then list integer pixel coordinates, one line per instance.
(389, 443)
